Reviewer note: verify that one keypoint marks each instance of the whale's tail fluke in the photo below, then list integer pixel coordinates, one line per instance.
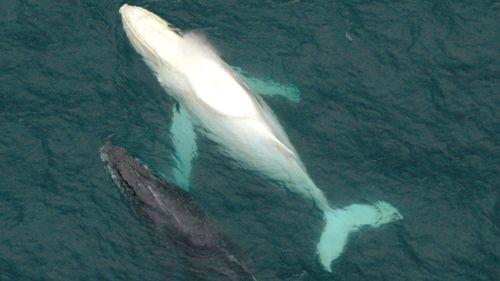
(341, 222)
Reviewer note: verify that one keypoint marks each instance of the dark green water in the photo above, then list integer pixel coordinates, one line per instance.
(400, 103)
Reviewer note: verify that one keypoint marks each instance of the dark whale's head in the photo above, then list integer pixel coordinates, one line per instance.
(130, 174)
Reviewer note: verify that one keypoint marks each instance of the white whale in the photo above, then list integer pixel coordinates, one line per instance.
(219, 101)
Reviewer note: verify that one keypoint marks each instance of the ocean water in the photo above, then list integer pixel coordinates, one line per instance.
(400, 102)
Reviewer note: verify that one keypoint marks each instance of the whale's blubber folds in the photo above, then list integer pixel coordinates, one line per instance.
(171, 209)
(241, 123)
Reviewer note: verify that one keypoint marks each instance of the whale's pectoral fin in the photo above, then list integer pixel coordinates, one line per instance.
(184, 141)
(270, 87)
(341, 222)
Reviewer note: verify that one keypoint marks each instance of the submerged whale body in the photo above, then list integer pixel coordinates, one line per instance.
(172, 210)
(222, 105)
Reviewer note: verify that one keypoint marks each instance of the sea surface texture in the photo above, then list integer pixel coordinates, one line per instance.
(400, 101)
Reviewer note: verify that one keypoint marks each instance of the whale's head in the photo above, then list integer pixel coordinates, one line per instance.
(137, 180)
(152, 37)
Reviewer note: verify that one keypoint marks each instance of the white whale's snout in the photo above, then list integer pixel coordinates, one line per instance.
(150, 35)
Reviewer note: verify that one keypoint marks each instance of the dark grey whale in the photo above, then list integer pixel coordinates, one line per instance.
(187, 226)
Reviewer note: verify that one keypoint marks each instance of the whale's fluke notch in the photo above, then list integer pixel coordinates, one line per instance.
(341, 222)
